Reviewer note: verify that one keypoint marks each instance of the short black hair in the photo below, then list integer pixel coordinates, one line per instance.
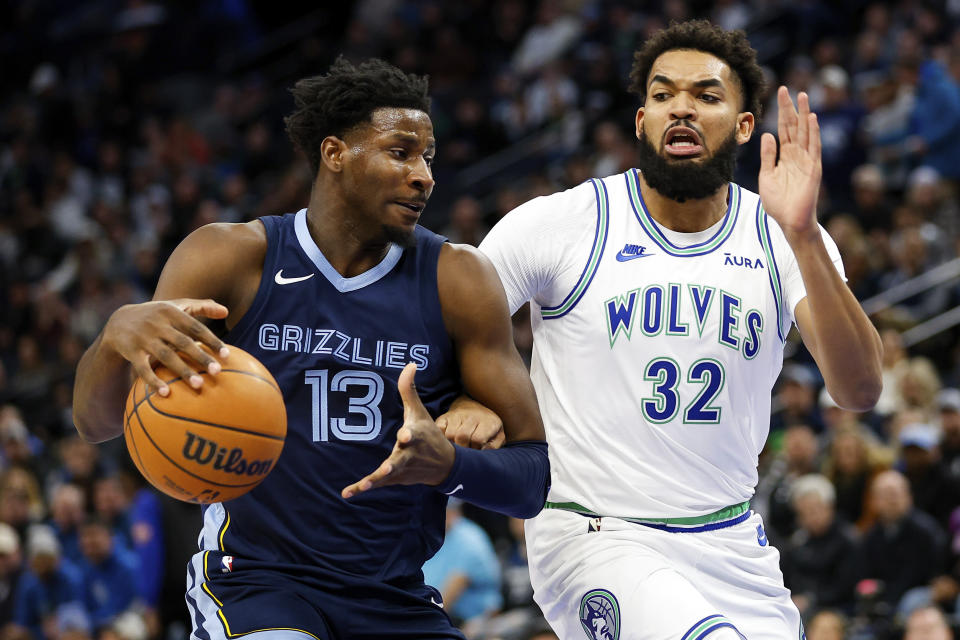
(333, 103)
(701, 35)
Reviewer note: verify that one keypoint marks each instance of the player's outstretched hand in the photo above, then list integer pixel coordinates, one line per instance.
(789, 187)
(156, 331)
(421, 455)
(470, 424)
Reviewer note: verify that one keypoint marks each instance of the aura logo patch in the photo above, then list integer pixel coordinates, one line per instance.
(600, 615)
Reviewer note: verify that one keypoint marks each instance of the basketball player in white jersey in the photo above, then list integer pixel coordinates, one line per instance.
(660, 299)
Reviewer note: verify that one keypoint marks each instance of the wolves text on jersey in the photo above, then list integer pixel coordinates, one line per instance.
(670, 310)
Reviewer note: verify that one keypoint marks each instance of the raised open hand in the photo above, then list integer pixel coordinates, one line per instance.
(421, 454)
(789, 187)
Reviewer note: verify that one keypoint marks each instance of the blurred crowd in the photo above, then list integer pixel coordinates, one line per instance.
(125, 124)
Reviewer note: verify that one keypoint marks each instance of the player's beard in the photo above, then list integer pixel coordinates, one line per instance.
(683, 180)
(406, 238)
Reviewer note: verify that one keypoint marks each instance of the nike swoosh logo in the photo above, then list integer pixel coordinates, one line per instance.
(279, 279)
(623, 258)
(455, 489)
(439, 604)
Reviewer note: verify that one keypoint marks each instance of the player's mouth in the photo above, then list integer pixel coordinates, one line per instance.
(413, 207)
(682, 142)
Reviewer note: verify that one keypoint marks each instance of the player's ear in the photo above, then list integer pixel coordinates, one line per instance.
(745, 124)
(332, 150)
(639, 123)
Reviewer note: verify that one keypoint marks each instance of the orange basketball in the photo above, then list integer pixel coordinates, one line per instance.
(211, 444)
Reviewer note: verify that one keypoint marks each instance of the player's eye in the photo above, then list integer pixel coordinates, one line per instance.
(400, 154)
(660, 96)
(708, 97)
(428, 160)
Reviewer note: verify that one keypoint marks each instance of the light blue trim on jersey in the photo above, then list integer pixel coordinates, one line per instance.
(599, 243)
(656, 234)
(343, 285)
(773, 272)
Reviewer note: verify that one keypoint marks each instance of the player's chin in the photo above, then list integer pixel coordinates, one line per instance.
(402, 235)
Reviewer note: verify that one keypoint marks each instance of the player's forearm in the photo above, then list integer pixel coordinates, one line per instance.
(845, 343)
(102, 380)
(512, 480)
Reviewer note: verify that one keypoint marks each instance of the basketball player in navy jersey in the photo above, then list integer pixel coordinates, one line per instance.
(344, 301)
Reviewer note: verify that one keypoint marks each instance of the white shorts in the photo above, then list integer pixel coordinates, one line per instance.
(629, 581)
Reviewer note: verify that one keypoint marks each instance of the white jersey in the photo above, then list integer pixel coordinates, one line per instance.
(655, 352)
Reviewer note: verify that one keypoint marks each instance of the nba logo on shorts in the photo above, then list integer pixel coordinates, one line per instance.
(600, 615)
(226, 564)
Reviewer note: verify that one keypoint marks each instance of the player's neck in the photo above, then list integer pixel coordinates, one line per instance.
(347, 246)
(686, 217)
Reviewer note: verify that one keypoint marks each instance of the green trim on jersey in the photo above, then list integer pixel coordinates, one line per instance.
(656, 234)
(727, 513)
(599, 242)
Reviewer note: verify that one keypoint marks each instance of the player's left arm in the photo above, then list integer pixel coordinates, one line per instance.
(512, 480)
(476, 316)
(834, 327)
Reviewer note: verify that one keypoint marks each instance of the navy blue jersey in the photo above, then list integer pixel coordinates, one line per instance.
(336, 347)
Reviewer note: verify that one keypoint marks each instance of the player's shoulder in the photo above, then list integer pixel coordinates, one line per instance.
(228, 240)
(556, 217)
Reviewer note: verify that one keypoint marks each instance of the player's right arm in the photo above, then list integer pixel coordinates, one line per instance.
(212, 274)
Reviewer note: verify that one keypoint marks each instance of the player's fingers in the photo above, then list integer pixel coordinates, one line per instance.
(814, 146)
(442, 423)
(786, 116)
(143, 370)
(183, 344)
(376, 479)
(206, 308)
(803, 120)
(768, 152)
(465, 437)
(496, 441)
(484, 434)
(201, 332)
(412, 405)
(167, 356)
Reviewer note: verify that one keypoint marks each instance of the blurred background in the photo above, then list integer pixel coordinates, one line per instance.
(125, 124)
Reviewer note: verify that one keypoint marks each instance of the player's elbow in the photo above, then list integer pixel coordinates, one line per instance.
(859, 395)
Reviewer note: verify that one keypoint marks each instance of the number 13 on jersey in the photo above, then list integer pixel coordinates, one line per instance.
(366, 405)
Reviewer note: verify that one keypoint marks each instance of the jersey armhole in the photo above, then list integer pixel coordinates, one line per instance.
(593, 261)
(271, 225)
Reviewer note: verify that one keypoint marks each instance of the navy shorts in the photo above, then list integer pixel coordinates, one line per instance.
(233, 598)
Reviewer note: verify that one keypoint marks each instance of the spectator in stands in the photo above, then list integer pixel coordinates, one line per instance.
(933, 490)
(48, 582)
(109, 572)
(799, 457)
(927, 623)
(21, 503)
(850, 464)
(796, 399)
(949, 404)
(934, 121)
(67, 512)
(465, 570)
(871, 202)
(11, 567)
(819, 560)
(905, 547)
(839, 120)
(827, 625)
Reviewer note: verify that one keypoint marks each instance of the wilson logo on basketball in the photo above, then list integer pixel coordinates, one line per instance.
(204, 451)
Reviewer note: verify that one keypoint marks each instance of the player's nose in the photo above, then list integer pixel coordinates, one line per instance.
(420, 176)
(683, 107)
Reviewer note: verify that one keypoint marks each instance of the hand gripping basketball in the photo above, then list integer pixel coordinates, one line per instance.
(421, 454)
(154, 332)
